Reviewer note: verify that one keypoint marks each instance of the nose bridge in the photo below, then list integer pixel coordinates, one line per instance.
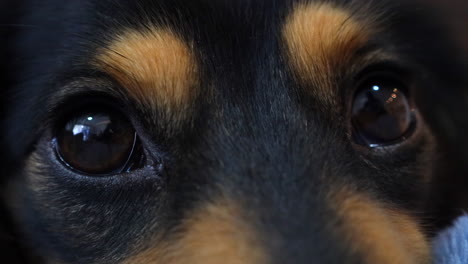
(296, 222)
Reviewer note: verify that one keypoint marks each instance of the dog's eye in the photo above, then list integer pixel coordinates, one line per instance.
(98, 143)
(381, 112)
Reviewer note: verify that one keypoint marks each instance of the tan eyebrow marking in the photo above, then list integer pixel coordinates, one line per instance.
(215, 233)
(320, 40)
(155, 66)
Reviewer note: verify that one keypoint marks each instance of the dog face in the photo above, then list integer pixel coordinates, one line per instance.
(229, 132)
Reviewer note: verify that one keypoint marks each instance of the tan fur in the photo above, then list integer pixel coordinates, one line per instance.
(155, 66)
(214, 234)
(321, 41)
(379, 234)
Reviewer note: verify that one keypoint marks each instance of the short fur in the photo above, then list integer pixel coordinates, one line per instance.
(243, 109)
(156, 67)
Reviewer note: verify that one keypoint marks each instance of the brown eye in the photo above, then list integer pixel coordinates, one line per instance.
(381, 112)
(97, 143)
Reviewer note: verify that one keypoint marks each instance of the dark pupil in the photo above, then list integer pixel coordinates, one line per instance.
(96, 143)
(381, 113)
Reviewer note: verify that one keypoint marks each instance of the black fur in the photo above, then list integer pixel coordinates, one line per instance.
(255, 135)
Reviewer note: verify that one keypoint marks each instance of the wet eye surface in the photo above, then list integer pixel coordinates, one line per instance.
(98, 142)
(381, 112)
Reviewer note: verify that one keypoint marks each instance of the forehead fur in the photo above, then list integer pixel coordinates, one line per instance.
(320, 40)
(154, 65)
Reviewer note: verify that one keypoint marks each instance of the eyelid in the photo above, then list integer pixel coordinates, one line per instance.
(123, 169)
(65, 107)
(389, 68)
(84, 88)
(388, 76)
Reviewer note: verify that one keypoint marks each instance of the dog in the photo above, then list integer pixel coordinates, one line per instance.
(269, 131)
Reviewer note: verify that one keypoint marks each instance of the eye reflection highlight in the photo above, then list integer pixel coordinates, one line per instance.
(382, 112)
